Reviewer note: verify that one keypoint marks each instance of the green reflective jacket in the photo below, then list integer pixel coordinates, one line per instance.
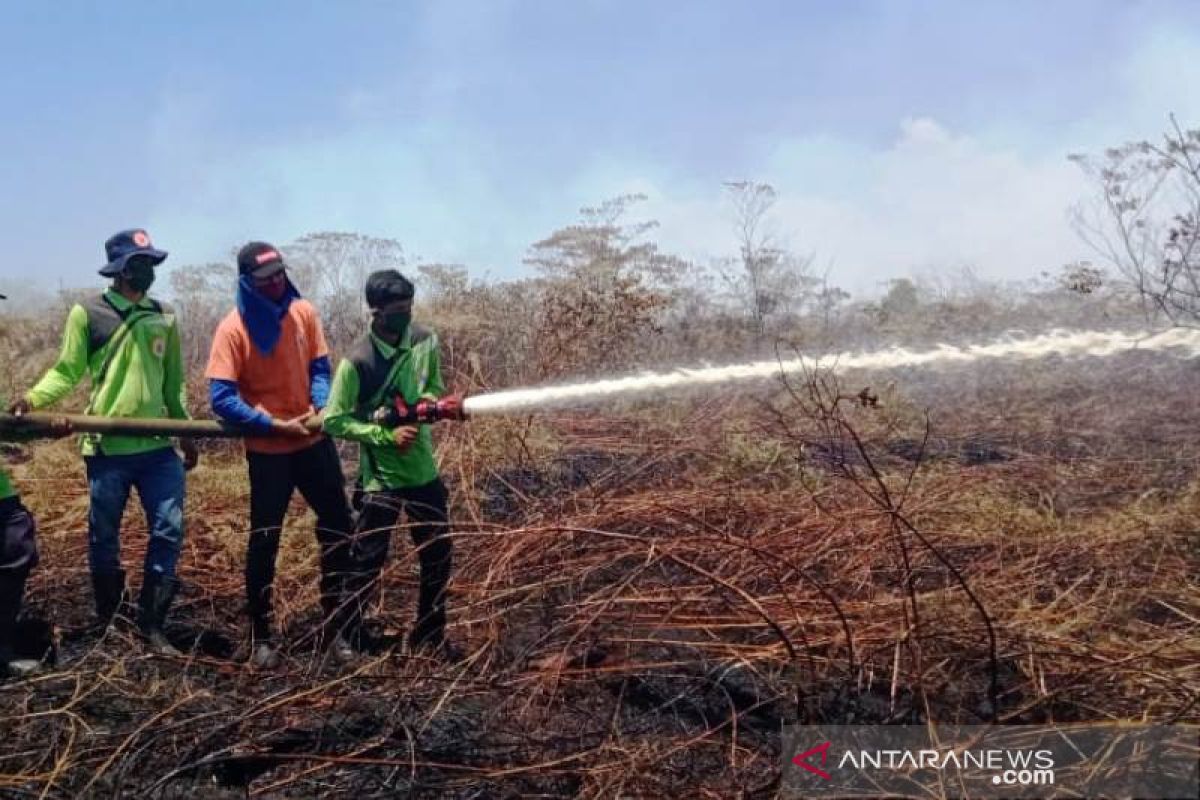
(133, 357)
(367, 378)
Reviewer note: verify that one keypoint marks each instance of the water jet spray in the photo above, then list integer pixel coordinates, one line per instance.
(1098, 344)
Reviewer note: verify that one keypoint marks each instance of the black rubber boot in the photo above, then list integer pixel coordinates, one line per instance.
(155, 600)
(428, 636)
(12, 591)
(109, 591)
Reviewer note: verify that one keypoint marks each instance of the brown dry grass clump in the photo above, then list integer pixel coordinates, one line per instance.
(646, 595)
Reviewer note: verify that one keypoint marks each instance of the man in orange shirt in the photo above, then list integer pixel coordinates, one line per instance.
(269, 372)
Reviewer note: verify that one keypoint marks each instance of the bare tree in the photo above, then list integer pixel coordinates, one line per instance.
(202, 295)
(487, 331)
(331, 267)
(602, 285)
(829, 299)
(768, 280)
(440, 283)
(1146, 221)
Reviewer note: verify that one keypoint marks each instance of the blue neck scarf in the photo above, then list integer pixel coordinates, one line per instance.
(262, 317)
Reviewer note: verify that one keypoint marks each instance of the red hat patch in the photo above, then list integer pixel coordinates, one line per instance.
(141, 239)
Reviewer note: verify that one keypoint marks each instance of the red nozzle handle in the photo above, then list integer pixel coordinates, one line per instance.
(423, 412)
(450, 407)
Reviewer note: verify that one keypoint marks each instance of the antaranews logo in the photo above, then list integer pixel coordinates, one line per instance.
(822, 749)
(1009, 767)
(990, 761)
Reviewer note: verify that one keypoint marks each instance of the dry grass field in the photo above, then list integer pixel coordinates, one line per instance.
(648, 593)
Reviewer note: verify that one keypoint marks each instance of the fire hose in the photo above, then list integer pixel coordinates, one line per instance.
(395, 413)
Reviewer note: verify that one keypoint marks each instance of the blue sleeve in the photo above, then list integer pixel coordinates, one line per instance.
(228, 405)
(318, 376)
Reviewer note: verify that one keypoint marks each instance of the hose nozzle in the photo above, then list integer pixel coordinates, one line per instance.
(399, 413)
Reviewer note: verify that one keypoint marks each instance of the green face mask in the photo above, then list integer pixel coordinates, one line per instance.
(396, 322)
(139, 276)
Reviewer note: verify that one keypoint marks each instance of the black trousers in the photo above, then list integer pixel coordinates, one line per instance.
(317, 472)
(18, 537)
(426, 508)
(18, 555)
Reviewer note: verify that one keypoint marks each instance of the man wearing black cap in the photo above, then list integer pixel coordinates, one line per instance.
(398, 471)
(268, 371)
(128, 344)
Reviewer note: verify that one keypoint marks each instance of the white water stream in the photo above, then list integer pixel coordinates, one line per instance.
(1182, 341)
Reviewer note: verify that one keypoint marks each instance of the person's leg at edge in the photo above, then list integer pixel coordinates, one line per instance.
(318, 475)
(427, 510)
(109, 482)
(369, 550)
(161, 486)
(270, 491)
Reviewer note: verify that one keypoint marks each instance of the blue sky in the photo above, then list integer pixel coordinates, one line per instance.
(903, 137)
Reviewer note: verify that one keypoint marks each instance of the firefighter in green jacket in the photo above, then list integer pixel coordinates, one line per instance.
(128, 344)
(397, 467)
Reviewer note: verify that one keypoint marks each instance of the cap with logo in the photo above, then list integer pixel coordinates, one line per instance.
(126, 245)
(259, 259)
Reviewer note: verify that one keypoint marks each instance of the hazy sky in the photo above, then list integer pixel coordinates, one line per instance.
(903, 137)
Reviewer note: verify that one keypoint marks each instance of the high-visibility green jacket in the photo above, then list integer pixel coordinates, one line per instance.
(372, 374)
(133, 357)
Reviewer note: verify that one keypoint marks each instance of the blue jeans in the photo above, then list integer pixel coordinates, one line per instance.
(158, 477)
